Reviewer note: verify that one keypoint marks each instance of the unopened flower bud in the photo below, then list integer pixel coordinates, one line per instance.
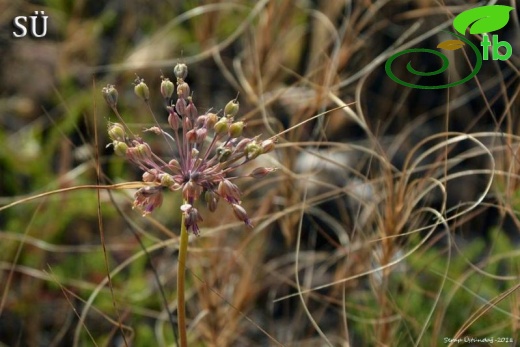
(242, 144)
(173, 120)
(144, 151)
(211, 200)
(110, 94)
(241, 214)
(211, 120)
(191, 110)
(201, 134)
(116, 131)
(150, 175)
(180, 106)
(141, 89)
(180, 71)
(183, 90)
(260, 172)
(221, 126)
(167, 180)
(223, 154)
(252, 150)
(229, 191)
(231, 108)
(120, 148)
(191, 136)
(167, 88)
(174, 166)
(235, 129)
(267, 146)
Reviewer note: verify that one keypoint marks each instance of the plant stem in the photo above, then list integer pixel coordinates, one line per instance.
(181, 272)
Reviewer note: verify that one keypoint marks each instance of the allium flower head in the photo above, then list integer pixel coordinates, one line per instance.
(205, 152)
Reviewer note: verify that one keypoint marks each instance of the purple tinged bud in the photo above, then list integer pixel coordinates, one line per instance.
(242, 144)
(261, 172)
(201, 134)
(167, 88)
(180, 71)
(180, 106)
(229, 191)
(241, 214)
(147, 199)
(191, 136)
(110, 94)
(191, 110)
(173, 120)
(191, 218)
(201, 120)
(141, 89)
(211, 200)
(231, 108)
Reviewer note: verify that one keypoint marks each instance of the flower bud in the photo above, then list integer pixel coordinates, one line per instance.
(223, 154)
(191, 110)
(110, 94)
(173, 120)
(229, 191)
(231, 108)
(180, 106)
(260, 172)
(191, 191)
(183, 90)
(211, 120)
(242, 144)
(241, 214)
(235, 129)
(221, 126)
(180, 71)
(201, 134)
(211, 200)
(144, 151)
(150, 175)
(120, 148)
(166, 180)
(116, 131)
(141, 89)
(174, 166)
(252, 150)
(267, 146)
(167, 88)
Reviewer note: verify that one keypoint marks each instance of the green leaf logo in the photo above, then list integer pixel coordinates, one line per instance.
(484, 19)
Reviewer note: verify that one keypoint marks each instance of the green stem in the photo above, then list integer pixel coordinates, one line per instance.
(181, 272)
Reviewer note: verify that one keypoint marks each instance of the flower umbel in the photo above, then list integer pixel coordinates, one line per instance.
(206, 151)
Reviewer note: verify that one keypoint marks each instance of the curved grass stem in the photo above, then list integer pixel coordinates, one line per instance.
(181, 272)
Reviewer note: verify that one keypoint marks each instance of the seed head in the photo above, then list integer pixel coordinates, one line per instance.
(110, 94)
(167, 88)
(141, 89)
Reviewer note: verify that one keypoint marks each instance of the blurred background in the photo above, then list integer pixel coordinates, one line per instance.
(392, 219)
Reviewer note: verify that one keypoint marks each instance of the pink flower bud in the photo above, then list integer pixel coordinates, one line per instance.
(241, 214)
(260, 172)
(229, 191)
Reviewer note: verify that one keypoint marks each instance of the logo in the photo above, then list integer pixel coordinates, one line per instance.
(480, 20)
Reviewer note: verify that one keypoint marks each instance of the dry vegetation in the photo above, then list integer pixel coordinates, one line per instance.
(392, 219)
